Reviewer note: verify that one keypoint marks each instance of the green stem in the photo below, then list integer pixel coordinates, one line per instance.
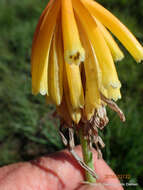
(87, 157)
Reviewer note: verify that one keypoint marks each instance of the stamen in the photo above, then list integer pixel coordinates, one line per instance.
(78, 55)
(75, 57)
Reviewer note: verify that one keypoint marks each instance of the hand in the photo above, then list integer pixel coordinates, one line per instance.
(59, 171)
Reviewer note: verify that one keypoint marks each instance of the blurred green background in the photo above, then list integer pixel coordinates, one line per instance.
(27, 128)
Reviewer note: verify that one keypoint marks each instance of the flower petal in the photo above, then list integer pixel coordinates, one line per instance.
(93, 76)
(114, 94)
(109, 74)
(46, 10)
(40, 52)
(56, 68)
(73, 50)
(116, 27)
(63, 112)
(117, 54)
(75, 85)
(75, 113)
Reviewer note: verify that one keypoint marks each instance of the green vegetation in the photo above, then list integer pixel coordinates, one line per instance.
(27, 128)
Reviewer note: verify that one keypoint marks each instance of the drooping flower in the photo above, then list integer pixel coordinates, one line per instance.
(73, 56)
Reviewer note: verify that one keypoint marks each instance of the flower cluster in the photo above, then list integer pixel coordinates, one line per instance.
(73, 55)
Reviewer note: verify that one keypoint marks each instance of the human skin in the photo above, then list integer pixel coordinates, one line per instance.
(59, 171)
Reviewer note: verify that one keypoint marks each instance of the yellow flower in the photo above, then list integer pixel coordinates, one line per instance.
(73, 56)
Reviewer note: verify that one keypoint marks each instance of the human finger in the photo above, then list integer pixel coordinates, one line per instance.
(57, 171)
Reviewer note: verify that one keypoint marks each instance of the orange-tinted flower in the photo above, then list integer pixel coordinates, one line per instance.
(73, 56)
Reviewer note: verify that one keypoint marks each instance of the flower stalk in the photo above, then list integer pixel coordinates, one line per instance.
(87, 156)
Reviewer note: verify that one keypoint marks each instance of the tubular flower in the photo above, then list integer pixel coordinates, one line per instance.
(73, 56)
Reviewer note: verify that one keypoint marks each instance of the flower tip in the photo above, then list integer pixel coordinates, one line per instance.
(75, 57)
(114, 94)
(77, 118)
(115, 85)
(43, 92)
(119, 58)
(139, 54)
(139, 60)
(118, 97)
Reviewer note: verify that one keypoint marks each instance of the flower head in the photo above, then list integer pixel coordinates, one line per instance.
(73, 55)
